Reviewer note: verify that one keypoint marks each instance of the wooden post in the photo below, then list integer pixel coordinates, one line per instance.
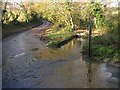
(90, 33)
(118, 41)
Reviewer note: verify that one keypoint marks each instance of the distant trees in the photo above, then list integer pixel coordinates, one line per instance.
(17, 13)
(63, 15)
(4, 15)
(15, 16)
(69, 7)
(66, 15)
(97, 13)
(24, 10)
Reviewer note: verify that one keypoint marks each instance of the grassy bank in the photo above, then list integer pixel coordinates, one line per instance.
(105, 48)
(58, 34)
(10, 29)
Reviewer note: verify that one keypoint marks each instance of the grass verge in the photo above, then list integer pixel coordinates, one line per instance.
(10, 29)
(105, 48)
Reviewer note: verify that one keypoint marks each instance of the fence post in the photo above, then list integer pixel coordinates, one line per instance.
(90, 33)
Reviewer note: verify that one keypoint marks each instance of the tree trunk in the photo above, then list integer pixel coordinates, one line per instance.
(5, 5)
(71, 21)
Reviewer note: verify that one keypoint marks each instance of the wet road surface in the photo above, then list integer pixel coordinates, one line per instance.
(28, 63)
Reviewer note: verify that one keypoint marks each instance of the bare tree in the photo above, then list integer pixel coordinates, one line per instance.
(5, 5)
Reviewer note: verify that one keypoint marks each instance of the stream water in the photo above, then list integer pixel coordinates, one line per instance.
(63, 67)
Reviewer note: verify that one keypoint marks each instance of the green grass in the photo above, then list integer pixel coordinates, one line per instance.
(62, 35)
(106, 39)
(59, 34)
(56, 38)
(105, 46)
(103, 52)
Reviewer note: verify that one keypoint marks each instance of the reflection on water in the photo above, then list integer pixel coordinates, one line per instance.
(76, 72)
(68, 51)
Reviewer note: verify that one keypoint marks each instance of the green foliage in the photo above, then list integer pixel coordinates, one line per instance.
(116, 57)
(58, 35)
(15, 16)
(34, 15)
(106, 39)
(112, 24)
(5, 16)
(97, 13)
(52, 43)
(18, 19)
(103, 51)
(19, 15)
(61, 14)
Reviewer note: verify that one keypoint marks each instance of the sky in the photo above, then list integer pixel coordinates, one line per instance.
(115, 2)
